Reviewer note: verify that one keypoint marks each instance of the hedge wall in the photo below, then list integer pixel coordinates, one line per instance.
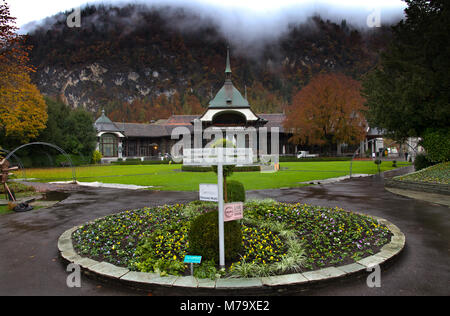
(208, 169)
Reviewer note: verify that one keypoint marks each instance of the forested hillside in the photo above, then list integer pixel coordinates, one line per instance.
(142, 64)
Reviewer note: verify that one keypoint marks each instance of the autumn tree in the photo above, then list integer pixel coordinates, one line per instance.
(22, 108)
(262, 100)
(192, 105)
(327, 111)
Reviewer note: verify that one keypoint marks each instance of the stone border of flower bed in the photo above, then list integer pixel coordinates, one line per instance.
(437, 188)
(108, 270)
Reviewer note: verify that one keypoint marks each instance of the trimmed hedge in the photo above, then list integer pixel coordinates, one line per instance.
(422, 162)
(204, 237)
(295, 159)
(208, 169)
(50, 161)
(235, 191)
(145, 162)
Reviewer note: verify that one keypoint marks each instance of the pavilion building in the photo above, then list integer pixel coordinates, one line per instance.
(228, 110)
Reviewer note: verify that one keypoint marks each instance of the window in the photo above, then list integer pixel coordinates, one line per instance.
(108, 145)
(230, 118)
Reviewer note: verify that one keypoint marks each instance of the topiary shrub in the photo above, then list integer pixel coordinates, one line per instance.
(235, 191)
(204, 237)
(422, 162)
(97, 157)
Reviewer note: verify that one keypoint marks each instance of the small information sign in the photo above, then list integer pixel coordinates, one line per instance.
(233, 211)
(192, 259)
(209, 192)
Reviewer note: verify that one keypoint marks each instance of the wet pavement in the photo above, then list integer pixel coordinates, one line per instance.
(30, 263)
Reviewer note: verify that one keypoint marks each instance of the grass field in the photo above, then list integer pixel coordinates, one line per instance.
(170, 177)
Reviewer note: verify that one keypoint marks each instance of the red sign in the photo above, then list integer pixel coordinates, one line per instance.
(233, 211)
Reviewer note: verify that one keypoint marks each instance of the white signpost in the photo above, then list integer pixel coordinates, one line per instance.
(217, 156)
(244, 152)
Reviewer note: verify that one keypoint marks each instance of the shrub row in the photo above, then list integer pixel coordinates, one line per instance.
(145, 162)
(295, 159)
(208, 169)
(50, 161)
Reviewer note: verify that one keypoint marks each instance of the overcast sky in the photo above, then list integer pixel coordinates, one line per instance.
(252, 14)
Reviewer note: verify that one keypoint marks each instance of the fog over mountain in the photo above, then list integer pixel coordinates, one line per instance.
(131, 58)
(254, 21)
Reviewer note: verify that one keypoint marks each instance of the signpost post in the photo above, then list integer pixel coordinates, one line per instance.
(221, 222)
(192, 259)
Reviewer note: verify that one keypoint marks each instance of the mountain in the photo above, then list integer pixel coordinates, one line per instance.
(144, 63)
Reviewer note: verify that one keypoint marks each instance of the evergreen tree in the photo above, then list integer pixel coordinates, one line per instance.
(69, 129)
(409, 90)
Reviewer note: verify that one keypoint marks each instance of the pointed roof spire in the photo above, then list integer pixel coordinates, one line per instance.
(228, 69)
(228, 96)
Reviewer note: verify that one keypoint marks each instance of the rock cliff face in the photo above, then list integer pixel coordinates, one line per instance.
(121, 56)
(85, 86)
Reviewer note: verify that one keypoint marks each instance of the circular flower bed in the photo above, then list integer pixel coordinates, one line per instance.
(277, 238)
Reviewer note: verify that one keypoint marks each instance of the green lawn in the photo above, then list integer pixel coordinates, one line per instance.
(170, 177)
(4, 209)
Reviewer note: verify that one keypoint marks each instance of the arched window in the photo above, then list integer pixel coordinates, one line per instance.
(229, 118)
(108, 145)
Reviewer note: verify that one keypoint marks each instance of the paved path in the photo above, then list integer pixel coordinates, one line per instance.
(30, 265)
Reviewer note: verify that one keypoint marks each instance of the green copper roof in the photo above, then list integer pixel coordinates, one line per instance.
(228, 96)
(104, 124)
(103, 119)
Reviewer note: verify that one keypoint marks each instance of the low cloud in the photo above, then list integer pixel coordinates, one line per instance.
(246, 28)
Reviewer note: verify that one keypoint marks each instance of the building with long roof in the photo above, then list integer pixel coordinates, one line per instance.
(228, 109)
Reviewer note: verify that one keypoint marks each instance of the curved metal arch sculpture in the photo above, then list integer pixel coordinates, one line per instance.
(50, 145)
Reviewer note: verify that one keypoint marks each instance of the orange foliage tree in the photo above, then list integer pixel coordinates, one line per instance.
(327, 111)
(23, 111)
(192, 105)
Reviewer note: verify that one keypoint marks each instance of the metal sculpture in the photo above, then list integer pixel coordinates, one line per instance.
(5, 169)
(50, 145)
